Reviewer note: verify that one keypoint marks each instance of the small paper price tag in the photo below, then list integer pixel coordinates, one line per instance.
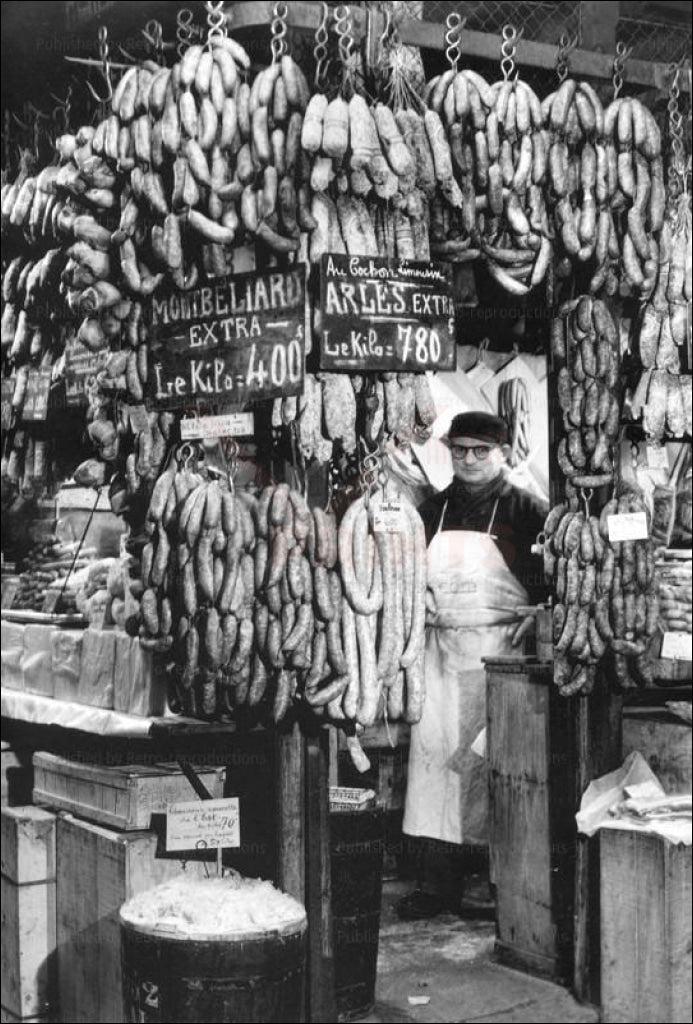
(627, 526)
(238, 424)
(388, 517)
(657, 456)
(203, 824)
(139, 420)
(677, 646)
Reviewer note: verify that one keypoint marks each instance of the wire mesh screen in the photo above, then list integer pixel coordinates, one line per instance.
(654, 41)
(540, 22)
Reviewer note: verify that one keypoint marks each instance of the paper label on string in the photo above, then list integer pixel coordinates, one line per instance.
(139, 420)
(388, 517)
(480, 375)
(203, 824)
(238, 424)
(657, 456)
(677, 646)
(627, 526)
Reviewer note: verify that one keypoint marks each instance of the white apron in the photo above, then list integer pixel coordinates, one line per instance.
(471, 600)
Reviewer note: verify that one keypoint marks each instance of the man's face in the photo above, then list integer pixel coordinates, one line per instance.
(475, 461)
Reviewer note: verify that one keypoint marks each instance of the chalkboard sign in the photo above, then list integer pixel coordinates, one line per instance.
(81, 367)
(237, 339)
(379, 314)
(37, 394)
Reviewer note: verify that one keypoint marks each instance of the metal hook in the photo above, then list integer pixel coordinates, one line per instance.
(511, 37)
(153, 32)
(184, 20)
(455, 24)
(216, 19)
(280, 12)
(566, 45)
(623, 52)
(106, 67)
(320, 48)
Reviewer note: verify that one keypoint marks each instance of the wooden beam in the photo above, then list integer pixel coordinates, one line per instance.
(482, 45)
(290, 793)
(321, 993)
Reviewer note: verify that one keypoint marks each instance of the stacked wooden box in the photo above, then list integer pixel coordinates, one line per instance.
(103, 862)
(646, 934)
(28, 914)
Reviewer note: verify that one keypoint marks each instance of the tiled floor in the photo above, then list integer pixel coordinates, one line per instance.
(449, 962)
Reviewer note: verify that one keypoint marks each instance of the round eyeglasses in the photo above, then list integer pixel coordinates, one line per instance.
(481, 451)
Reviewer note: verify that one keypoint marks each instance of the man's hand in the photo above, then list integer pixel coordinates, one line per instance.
(524, 629)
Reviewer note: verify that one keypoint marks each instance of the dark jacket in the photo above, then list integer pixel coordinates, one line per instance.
(518, 519)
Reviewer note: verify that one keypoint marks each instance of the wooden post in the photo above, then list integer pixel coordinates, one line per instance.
(290, 804)
(599, 751)
(321, 994)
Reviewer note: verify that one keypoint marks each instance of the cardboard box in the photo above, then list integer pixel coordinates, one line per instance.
(37, 662)
(96, 676)
(66, 655)
(12, 655)
(140, 686)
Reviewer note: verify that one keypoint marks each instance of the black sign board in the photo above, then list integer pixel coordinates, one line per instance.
(236, 339)
(37, 394)
(81, 367)
(379, 314)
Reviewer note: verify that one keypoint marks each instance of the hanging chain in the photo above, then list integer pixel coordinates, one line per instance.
(344, 31)
(623, 52)
(566, 45)
(184, 20)
(455, 25)
(216, 19)
(677, 164)
(280, 13)
(320, 49)
(509, 49)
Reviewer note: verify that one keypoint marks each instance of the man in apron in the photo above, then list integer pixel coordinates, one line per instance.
(480, 531)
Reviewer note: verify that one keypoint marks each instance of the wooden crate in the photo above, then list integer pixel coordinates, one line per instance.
(10, 1018)
(28, 913)
(664, 742)
(122, 797)
(98, 870)
(531, 757)
(645, 928)
(28, 845)
(17, 775)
